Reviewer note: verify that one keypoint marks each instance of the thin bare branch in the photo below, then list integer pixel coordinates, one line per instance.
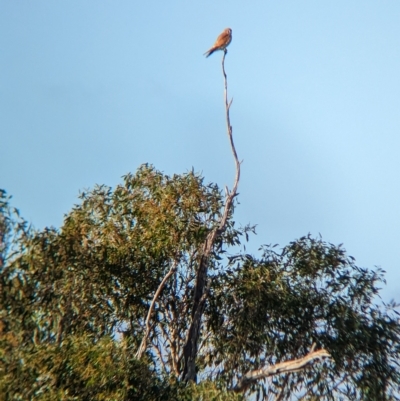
(200, 293)
(143, 344)
(283, 367)
(157, 349)
(232, 194)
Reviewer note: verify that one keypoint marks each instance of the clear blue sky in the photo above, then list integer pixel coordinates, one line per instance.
(89, 90)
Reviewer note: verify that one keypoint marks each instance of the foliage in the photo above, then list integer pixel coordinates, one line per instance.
(274, 308)
(73, 303)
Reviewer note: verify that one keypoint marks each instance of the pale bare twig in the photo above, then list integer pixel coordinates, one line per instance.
(170, 337)
(160, 357)
(232, 194)
(143, 344)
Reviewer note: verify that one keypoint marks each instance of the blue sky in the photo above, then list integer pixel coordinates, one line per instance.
(90, 90)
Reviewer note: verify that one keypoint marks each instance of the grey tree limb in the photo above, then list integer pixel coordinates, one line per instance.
(292, 366)
(200, 293)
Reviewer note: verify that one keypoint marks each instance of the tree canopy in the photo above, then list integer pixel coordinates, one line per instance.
(75, 300)
(146, 292)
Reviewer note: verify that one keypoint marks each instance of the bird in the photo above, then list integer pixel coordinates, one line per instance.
(221, 43)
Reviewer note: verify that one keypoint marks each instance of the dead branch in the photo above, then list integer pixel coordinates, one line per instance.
(283, 367)
(231, 194)
(200, 293)
(143, 344)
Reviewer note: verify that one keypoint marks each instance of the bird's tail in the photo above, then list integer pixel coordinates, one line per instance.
(209, 52)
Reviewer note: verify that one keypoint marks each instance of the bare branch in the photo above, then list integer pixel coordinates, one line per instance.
(283, 367)
(231, 194)
(200, 293)
(143, 344)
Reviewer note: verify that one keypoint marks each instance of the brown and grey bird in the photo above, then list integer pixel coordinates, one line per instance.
(222, 42)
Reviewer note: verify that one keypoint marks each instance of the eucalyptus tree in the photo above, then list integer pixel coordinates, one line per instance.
(146, 292)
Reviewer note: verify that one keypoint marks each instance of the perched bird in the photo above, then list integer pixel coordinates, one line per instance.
(222, 42)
